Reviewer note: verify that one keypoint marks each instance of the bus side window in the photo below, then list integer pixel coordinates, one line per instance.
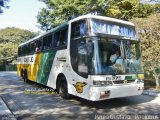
(56, 42)
(79, 29)
(64, 37)
(47, 42)
(60, 38)
(38, 45)
(23, 50)
(19, 51)
(27, 49)
(31, 47)
(41, 44)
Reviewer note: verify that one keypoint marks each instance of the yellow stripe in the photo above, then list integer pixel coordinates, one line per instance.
(32, 70)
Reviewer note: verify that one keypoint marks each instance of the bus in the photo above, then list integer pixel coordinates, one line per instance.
(92, 57)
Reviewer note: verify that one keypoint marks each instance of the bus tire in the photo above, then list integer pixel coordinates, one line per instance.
(22, 73)
(63, 88)
(25, 77)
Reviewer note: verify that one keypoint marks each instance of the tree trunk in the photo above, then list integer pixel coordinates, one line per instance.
(158, 82)
(157, 78)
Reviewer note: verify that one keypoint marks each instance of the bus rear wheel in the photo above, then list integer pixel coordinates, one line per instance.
(25, 76)
(63, 88)
(22, 73)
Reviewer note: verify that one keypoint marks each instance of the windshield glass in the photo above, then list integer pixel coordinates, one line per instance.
(132, 56)
(107, 56)
(115, 56)
(106, 53)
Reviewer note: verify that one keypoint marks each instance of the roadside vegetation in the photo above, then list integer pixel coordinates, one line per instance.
(149, 32)
(58, 11)
(10, 38)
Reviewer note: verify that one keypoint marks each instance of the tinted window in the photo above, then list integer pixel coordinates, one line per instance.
(80, 56)
(47, 42)
(27, 48)
(60, 38)
(63, 37)
(23, 52)
(38, 46)
(79, 29)
(56, 39)
(32, 48)
(19, 51)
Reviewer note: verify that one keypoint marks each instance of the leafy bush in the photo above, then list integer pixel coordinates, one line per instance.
(149, 33)
(10, 38)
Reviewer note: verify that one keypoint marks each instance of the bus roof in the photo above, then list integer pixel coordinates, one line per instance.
(103, 18)
(79, 18)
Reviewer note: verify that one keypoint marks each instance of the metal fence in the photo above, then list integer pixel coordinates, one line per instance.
(8, 68)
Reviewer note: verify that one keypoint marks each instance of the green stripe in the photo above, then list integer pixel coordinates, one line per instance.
(132, 77)
(45, 67)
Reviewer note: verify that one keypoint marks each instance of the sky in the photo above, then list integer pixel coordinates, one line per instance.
(21, 14)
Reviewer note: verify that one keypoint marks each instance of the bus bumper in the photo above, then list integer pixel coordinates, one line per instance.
(115, 91)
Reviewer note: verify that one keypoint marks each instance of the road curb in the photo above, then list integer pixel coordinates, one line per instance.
(5, 113)
(151, 93)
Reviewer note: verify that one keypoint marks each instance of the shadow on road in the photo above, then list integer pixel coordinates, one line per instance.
(49, 106)
(110, 103)
(115, 102)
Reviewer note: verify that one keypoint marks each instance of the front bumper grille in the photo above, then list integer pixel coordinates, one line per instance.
(122, 81)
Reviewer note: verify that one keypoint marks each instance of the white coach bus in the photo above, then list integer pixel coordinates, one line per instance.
(92, 57)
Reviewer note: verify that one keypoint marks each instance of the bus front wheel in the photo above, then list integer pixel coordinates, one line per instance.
(63, 88)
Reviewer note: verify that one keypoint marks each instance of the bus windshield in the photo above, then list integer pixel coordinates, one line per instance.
(115, 56)
(106, 56)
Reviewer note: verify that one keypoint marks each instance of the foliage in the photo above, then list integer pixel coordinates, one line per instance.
(10, 38)
(58, 11)
(149, 31)
(7, 53)
(15, 35)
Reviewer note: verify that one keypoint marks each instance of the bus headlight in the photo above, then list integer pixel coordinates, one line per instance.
(101, 83)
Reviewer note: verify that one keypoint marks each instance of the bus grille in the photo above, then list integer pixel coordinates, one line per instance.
(122, 81)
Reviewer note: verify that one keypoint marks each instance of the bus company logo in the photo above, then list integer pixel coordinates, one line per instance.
(79, 86)
(28, 59)
(61, 59)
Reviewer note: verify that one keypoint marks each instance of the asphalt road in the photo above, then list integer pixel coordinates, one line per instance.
(51, 106)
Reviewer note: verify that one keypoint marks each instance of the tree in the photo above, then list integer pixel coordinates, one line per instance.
(10, 38)
(149, 30)
(59, 11)
(15, 35)
(8, 52)
(3, 5)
